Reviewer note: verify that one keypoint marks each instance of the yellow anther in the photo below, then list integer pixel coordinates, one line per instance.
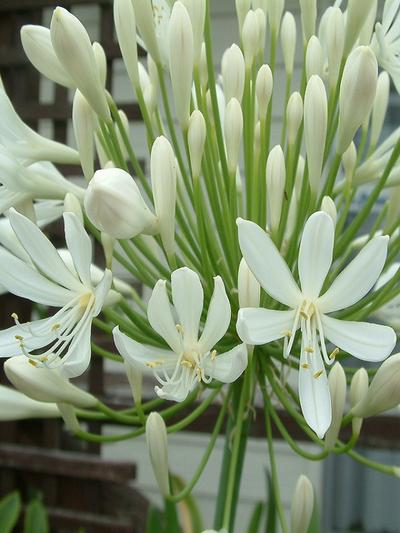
(14, 316)
(198, 372)
(151, 364)
(318, 374)
(19, 337)
(287, 333)
(32, 362)
(334, 353)
(44, 359)
(187, 363)
(180, 329)
(55, 327)
(304, 314)
(305, 365)
(213, 355)
(309, 349)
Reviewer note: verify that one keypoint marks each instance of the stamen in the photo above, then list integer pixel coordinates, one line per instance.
(15, 317)
(213, 355)
(334, 353)
(180, 329)
(187, 363)
(32, 362)
(309, 349)
(305, 365)
(286, 333)
(317, 374)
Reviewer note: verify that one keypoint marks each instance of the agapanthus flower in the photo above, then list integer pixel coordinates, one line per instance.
(47, 280)
(309, 309)
(387, 43)
(191, 358)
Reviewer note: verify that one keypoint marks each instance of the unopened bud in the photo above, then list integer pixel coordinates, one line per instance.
(337, 388)
(357, 94)
(197, 13)
(203, 66)
(369, 25)
(74, 50)
(349, 161)
(248, 287)
(233, 72)
(145, 23)
(125, 27)
(314, 58)
(84, 127)
(380, 107)
(357, 14)
(262, 30)
(101, 62)
(45, 384)
(242, 8)
(294, 116)
(276, 178)
(384, 391)
(250, 38)
(73, 205)
(264, 87)
(233, 128)
(315, 128)
(358, 390)
(114, 204)
(308, 17)
(164, 183)
(288, 41)
(275, 10)
(329, 207)
(181, 64)
(334, 44)
(157, 445)
(302, 505)
(196, 140)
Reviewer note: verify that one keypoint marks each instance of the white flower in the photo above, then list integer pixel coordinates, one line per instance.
(386, 43)
(192, 359)
(389, 313)
(308, 310)
(16, 406)
(67, 333)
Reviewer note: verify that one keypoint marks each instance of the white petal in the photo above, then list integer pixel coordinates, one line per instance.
(259, 326)
(218, 317)
(357, 278)
(187, 297)
(177, 392)
(315, 398)
(33, 333)
(228, 366)
(315, 254)
(160, 316)
(77, 359)
(141, 354)
(101, 291)
(42, 252)
(25, 281)
(369, 342)
(79, 245)
(266, 263)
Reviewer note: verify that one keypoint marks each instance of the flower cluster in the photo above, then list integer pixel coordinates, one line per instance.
(262, 262)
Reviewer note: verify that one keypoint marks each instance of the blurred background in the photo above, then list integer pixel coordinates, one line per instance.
(108, 487)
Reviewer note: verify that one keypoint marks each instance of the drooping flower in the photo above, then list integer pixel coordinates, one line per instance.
(191, 359)
(309, 310)
(47, 280)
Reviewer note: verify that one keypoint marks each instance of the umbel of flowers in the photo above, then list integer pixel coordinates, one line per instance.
(265, 270)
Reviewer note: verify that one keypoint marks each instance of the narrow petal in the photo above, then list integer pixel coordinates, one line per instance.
(23, 280)
(228, 366)
(259, 326)
(160, 317)
(187, 297)
(369, 342)
(101, 291)
(315, 254)
(177, 392)
(43, 254)
(141, 354)
(315, 398)
(357, 278)
(79, 245)
(218, 317)
(266, 263)
(77, 359)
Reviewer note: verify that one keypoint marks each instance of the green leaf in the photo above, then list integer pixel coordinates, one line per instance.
(36, 520)
(271, 507)
(256, 517)
(155, 520)
(171, 517)
(10, 507)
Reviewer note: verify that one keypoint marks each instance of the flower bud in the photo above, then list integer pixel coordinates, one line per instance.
(233, 71)
(384, 391)
(101, 62)
(242, 8)
(45, 384)
(264, 87)
(314, 58)
(196, 141)
(149, 93)
(114, 204)
(248, 287)
(197, 13)
(337, 388)
(203, 66)
(233, 127)
(84, 127)
(308, 17)
(288, 41)
(125, 27)
(357, 94)
(358, 390)
(349, 161)
(262, 30)
(275, 10)
(145, 23)
(73, 205)
(315, 128)
(157, 445)
(369, 25)
(250, 37)
(37, 46)
(164, 182)
(135, 379)
(329, 207)
(17, 406)
(74, 50)
(276, 178)
(380, 107)
(302, 505)
(357, 14)
(294, 116)
(334, 44)
(181, 64)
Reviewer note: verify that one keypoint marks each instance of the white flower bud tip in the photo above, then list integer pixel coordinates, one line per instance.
(302, 505)
(276, 178)
(233, 127)
(248, 287)
(288, 41)
(294, 116)
(156, 437)
(233, 73)
(196, 141)
(264, 87)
